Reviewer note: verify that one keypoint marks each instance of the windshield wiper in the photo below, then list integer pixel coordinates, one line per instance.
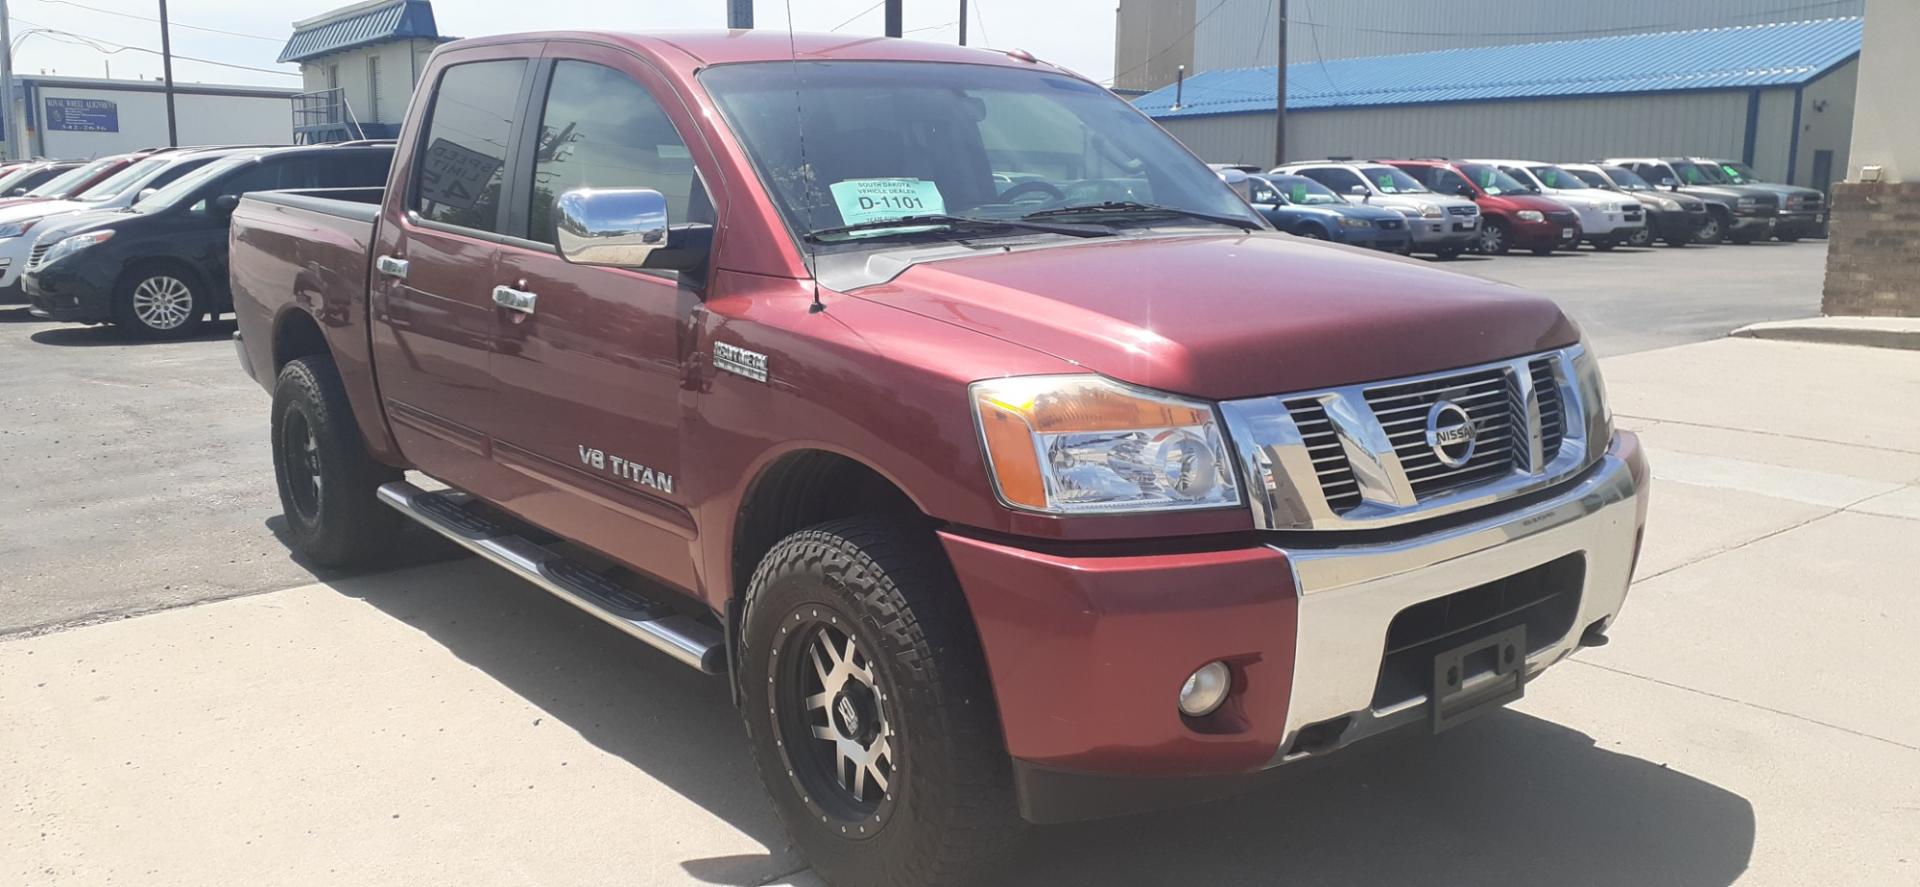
(1130, 206)
(946, 221)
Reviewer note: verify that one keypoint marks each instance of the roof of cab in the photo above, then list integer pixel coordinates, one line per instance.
(697, 49)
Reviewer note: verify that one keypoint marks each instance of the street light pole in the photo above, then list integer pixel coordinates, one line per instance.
(894, 18)
(1280, 103)
(740, 14)
(12, 132)
(166, 69)
(963, 21)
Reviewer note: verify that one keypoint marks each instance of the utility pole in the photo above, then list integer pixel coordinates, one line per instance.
(1280, 102)
(963, 22)
(740, 14)
(13, 133)
(894, 18)
(166, 67)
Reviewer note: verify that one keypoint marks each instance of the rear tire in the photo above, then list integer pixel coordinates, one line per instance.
(1493, 239)
(1787, 238)
(910, 676)
(327, 480)
(160, 302)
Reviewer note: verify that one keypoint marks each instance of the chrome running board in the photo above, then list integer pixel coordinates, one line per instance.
(688, 640)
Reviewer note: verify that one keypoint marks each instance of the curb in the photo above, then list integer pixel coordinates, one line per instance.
(1902, 333)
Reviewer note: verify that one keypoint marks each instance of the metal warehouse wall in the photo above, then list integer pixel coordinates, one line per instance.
(1556, 129)
(1240, 33)
(1148, 41)
(142, 123)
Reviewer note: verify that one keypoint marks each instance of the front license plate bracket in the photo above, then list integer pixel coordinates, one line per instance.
(1451, 703)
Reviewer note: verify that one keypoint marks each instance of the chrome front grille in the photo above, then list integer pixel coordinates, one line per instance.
(1464, 210)
(1330, 466)
(38, 255)
(1383, 453)
(1389, 224)
(1402, 412)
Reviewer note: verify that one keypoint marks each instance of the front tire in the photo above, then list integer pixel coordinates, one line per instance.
(1312, 232)
(869, 710)
(1712, 231)
(160, 302)
(1640, 237)
(327, 481)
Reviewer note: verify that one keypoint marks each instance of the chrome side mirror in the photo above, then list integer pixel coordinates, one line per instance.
(616, 227)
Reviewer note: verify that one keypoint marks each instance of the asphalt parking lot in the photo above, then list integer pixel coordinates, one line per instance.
(442, 723)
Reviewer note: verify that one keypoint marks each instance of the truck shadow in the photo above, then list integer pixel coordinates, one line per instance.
(1507, 798)
(99, 336)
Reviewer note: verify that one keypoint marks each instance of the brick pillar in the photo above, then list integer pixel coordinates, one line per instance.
(1873, 250)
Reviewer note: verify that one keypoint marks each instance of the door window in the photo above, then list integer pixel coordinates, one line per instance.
(600, 129)
(1446, 181)
(463, 160)
(1264, 193)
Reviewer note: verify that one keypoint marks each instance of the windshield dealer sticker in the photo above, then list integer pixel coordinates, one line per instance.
(871, 200)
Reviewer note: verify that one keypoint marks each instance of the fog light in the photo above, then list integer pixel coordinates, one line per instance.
(1205, 689)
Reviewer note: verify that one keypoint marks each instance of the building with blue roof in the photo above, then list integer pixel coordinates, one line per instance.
(359, 63)
(1777, 95)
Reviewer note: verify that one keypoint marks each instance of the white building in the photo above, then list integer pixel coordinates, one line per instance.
(78, 118)
(359, 64)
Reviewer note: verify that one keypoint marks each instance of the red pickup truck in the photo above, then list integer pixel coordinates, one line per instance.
(1005, 463)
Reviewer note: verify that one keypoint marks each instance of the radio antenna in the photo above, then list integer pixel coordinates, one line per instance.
(806, 169)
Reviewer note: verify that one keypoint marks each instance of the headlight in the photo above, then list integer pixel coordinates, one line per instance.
(11, 230)
(1593, 394)
(1350, 222)
(75, 244)
(1530, 215)
(1431, 211)
(1672, 206)
(1089, 445)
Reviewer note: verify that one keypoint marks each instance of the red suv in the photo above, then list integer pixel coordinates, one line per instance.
(1516, 215)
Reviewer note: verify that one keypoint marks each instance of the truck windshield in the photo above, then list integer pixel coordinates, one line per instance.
(1491, 180)
(1740, 174)
(1693, 174)
(1558, 179)
(1390, 180)
(1592, 177)
(1626, 179)
(851, 143)
(59, 185)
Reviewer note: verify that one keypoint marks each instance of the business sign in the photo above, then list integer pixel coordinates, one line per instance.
(83, 115)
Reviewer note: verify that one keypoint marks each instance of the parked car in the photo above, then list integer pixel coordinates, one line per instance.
(1672, 218)
(1442, 224)
(1512, 214)
(990, 502)
(20, 223)
(159, 268)
(73, 182)
(1606, 220)
(1803, 211)
(1299, 205)
(17, 181)
(1736, 213)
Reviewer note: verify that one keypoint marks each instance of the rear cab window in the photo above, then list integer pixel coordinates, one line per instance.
(460, 173)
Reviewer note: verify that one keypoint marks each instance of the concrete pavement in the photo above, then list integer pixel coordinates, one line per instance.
(1752, 723)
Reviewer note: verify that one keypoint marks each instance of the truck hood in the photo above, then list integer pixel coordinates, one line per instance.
(1230, 315)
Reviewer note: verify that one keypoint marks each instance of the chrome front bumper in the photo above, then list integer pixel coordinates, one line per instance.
(1349, 595)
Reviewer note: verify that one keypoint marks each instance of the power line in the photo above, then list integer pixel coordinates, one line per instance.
(980, 18)
(102, 46)
(1176, 41)
(856, 16)
(174, 24)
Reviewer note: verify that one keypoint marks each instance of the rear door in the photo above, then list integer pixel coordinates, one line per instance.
(591, 378)
(439, 239)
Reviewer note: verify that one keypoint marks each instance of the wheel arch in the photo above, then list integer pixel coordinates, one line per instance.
(297, 334)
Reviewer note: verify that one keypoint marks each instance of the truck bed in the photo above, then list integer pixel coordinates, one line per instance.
(308, 252)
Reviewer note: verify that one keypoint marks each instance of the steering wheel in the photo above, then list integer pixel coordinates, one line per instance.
(1013, 194)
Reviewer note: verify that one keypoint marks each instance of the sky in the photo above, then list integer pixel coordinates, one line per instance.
(95, 38)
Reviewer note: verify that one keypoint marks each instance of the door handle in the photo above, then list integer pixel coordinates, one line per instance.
(513, 300)
(391, 266)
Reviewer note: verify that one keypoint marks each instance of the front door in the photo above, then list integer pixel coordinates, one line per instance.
(435, 321)
(591, 375)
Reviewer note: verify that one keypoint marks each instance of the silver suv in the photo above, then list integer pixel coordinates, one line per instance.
(1442, 224)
